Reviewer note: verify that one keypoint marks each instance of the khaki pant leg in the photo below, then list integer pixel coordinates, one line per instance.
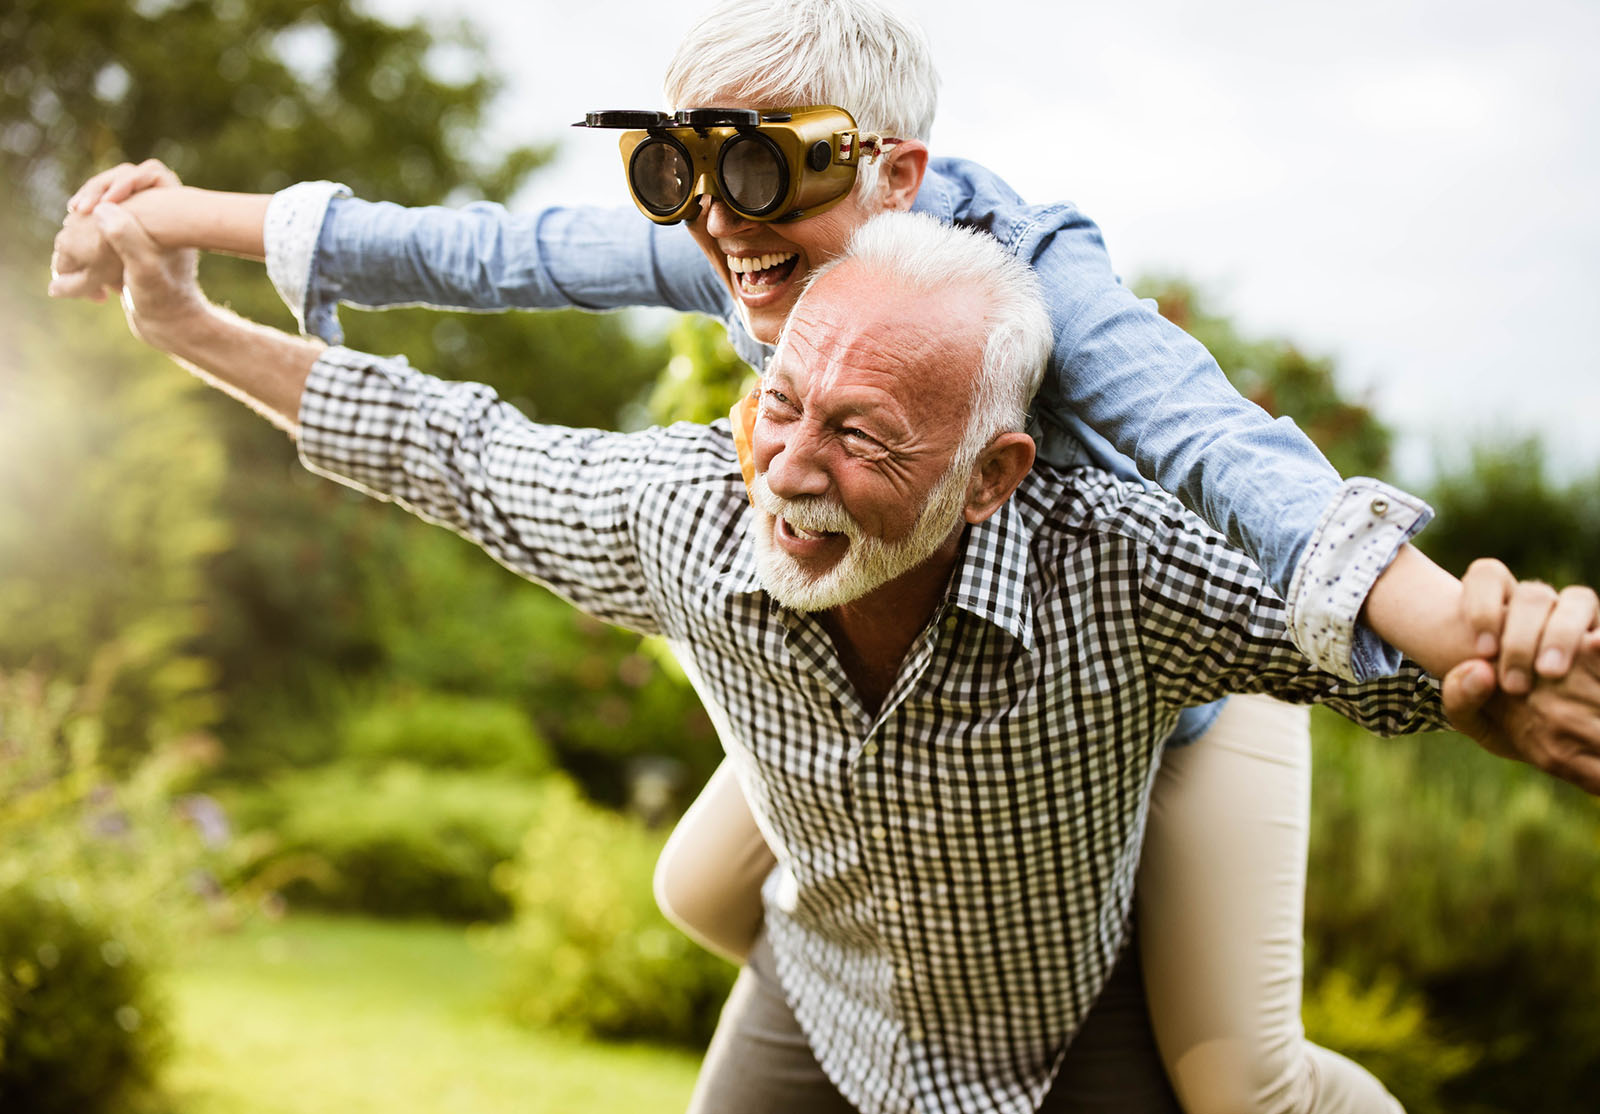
(1221, 901)
(759, 1061)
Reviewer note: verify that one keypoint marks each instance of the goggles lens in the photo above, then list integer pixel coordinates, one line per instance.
(660, 175)
(752, 173)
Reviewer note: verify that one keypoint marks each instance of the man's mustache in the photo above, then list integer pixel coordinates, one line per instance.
(821, 514)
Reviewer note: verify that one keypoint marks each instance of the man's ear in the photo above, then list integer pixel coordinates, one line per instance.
(900, 175)
(997, 473)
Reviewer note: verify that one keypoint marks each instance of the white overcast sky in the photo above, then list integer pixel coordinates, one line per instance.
(1411, 186)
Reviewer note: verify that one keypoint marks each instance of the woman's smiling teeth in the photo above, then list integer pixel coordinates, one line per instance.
(754, 271)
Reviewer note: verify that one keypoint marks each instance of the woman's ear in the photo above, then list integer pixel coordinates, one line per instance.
(900, 175)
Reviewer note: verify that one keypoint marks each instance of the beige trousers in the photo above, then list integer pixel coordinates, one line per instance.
(1221, 898)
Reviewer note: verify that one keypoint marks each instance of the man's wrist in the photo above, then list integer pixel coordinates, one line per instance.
(261, 366)
(187, 332)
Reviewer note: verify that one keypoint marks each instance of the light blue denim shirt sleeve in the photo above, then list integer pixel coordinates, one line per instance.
(1127, 390)
(483, 257)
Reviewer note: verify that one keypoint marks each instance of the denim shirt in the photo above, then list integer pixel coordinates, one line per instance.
(1126, 389)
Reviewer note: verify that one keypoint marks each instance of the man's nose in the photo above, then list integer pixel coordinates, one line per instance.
(721, 220)
(793, 462)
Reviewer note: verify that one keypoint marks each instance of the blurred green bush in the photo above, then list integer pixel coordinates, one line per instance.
(80, 1028)
(445, 731)
(101, 880)
(589, 950)
(402, 841)
(109, 474)
(1468, 886)
(1386, 1028)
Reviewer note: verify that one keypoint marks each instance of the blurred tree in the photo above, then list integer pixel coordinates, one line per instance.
(1467, 885)
(109, 477)
(1280, 378)
(253, 96)
(244, 95)
(1503, 504)
(704, 376)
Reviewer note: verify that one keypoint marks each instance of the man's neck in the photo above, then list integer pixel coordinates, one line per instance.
(871, 635)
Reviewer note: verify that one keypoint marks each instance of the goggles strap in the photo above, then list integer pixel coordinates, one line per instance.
(872, 144)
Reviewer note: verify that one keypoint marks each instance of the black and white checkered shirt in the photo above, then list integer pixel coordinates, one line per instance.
(956, 869)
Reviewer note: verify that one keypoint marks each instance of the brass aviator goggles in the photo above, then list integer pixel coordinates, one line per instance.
(776, 164)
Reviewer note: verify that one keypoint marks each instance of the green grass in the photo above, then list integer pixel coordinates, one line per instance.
(347, 1016)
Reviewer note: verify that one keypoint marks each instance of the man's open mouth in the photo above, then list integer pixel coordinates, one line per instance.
(802, 532)
(758, 274)
(799, 540)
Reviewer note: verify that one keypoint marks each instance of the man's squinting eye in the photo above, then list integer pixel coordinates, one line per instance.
(858, 442)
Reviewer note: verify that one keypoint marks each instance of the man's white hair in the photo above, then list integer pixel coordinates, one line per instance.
(918, 253)
(864, 56)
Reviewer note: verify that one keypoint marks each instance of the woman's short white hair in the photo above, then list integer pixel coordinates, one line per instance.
(865, 56)
(924, 255)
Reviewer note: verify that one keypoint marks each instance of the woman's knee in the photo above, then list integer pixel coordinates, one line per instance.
(1238, 1077)
(679, 887)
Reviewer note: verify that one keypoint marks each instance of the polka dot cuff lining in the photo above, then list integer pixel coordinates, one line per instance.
(1358, 537)
(292, 228)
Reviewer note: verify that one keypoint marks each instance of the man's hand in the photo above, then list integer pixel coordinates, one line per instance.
(160, 294)
(262, 367)
(83, 264)
(1555, 727)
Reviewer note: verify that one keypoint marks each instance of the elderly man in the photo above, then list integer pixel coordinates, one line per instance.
(944, 675)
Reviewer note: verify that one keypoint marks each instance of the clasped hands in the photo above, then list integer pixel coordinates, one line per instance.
(102, 248)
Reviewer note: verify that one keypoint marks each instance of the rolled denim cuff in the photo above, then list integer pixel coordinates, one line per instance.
(292, 229)
(1356, 540)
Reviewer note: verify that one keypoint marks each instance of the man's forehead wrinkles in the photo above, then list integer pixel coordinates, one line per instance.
(861, 347)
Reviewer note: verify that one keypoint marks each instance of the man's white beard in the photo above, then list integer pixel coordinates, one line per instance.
(868, 563)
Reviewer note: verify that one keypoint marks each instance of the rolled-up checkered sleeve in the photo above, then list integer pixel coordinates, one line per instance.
(1210, 626)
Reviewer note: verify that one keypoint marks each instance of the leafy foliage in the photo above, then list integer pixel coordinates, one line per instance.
(1466, 883)
(99, 879)
(590, 950)
(108, 479)
(1502, 503)
(79, 1030)
(91, 83)
(1388, 1031)
(704, 376)
(445, 731)
(399, 841)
